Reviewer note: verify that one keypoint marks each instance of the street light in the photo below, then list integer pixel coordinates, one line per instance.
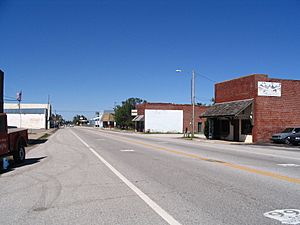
(192, 100)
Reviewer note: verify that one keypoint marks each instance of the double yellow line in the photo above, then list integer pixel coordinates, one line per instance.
(231, 165)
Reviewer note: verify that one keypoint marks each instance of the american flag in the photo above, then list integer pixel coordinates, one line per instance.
(19, 96)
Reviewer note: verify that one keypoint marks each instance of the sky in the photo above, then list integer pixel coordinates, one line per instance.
(88, 55)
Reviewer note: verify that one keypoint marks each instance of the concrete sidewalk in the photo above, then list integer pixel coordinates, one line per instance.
(35, 137)
(38, 136)
(39, 133)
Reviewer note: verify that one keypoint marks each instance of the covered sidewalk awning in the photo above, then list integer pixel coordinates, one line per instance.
(139, 118)
(227, 109)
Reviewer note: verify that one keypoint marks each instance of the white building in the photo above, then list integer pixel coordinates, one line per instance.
(31, 116)
(163, 121)
(96, 121)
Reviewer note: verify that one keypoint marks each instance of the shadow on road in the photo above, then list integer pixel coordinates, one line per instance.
(32, 142)
(27, 162)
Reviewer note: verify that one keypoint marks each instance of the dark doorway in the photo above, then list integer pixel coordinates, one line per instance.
(236, 130)
(216, 129)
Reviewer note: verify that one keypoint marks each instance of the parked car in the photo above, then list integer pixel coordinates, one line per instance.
(294, 139)
(282, 136)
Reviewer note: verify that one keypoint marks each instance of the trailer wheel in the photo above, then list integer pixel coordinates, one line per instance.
(19, 155)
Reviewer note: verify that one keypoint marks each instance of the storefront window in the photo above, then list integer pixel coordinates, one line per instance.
(246, 127)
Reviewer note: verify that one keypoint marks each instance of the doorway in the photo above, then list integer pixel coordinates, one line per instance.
(236, 130)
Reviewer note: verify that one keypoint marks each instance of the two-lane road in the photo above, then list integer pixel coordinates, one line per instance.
(89, 176)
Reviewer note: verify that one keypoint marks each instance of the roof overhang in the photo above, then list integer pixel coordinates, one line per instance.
(227, 109)
(139, 118)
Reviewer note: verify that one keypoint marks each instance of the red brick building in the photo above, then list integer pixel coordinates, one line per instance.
(184, 109)
(253, 107)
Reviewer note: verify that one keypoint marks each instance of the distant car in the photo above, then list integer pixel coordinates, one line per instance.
(294, 139)
(282, 136)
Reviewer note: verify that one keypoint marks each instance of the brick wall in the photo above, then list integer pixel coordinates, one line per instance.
(187, 112)
(271, 114)
(238, 89)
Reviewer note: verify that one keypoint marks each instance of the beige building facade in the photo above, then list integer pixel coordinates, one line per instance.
(31, 116)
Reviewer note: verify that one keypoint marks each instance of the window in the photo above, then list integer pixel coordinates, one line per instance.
(246, 127)
(199, 127)
(297, 130)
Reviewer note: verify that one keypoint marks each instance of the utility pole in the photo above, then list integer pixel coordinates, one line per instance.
(48, 126)
(193, 103)
(19, 99)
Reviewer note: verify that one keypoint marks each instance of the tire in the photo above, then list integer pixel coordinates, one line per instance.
(19, 155)
(287, 141)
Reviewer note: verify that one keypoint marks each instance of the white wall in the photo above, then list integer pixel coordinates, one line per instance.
(243, 137)
(164, 121)
(30, 121)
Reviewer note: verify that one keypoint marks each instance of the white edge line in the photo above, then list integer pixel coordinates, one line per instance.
(161, 212)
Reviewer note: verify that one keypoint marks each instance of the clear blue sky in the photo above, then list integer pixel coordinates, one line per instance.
(90, 55)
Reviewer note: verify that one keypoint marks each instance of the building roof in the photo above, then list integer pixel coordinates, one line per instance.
(107, 117)
(149, 104)
(26, 106)
(250, 75)
(227, 108)
(25, 111)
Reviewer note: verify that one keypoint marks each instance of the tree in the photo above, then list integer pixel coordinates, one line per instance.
(79, 119)
(213, 100)
(206, 129)
(123, 116)
(56, 120)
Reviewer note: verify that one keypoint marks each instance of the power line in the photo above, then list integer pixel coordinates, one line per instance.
(8, 97)
(200, 74)
(206, 77)
(10, 100)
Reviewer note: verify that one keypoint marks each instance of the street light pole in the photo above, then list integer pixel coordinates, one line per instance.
(192, 101)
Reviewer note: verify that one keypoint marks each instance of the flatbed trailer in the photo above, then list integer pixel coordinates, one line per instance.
(12, 141)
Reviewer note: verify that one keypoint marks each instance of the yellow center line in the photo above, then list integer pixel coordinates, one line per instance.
(230, 165)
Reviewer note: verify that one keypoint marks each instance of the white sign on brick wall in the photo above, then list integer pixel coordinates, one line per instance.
(134, 112)
(164, 121)
(269, 89)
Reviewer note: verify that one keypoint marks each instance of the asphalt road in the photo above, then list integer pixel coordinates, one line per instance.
(88, 176)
